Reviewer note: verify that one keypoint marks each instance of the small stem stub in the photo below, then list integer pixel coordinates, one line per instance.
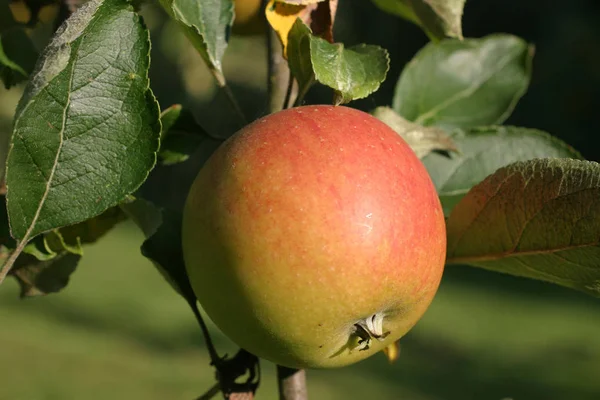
(368, 329)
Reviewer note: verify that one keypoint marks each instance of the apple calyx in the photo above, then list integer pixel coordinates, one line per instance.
(368, 329)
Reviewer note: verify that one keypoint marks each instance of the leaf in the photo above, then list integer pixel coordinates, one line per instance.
(538, 219)
(206, 24)
(48, 260)
(422, 140)
(400, 8)
(93, 229)
(144, 214)
(182, 135)
(319, 15)
(87, 128)
(438, 18)
(162, 246)
(352, 73)
(299, 57)
(463, 84)
(484, 150)
(164, 249)
(51, 274)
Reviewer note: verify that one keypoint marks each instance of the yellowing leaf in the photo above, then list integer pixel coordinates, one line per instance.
(281, 17)
(317, 14)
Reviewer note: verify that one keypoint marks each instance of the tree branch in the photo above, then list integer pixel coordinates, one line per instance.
(292, 383)
(278, 73)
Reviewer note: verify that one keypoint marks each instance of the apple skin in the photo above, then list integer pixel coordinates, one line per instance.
(307, 222)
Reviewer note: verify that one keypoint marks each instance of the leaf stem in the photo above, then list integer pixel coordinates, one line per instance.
(234, 103)
(11, 260)
(292, 383)
(288, 93)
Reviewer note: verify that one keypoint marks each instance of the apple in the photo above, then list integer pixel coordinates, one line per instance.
(249, 19)
(314, 237)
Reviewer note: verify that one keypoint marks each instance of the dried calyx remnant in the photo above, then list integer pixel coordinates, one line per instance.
(368, 329)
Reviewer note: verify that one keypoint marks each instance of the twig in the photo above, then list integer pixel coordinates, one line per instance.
(210, 393)
(229, 369)
(212, 351)
(278, 72)
(12, 258)
(292, 383)
(292, 91)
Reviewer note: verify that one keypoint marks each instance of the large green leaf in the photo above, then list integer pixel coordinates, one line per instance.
(538, 219)
(463, 84)
(87, 128)
(438, 18)
(481, 151)
(352, 73)
(206, 23)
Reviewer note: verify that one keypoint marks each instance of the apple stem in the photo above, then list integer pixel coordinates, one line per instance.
(292, 383)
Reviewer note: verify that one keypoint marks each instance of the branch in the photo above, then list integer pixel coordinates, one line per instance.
(292, 383)
(278, 73)
(210, 393)
(13, 257)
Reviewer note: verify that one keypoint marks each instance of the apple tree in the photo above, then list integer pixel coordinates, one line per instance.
(273, 210)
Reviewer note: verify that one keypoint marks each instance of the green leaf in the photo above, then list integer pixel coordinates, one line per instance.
(463, 84)
(48, 260)
(422, 140)
(164, 249)
(400, 8)
(484, 150)
(87, 128)
(438, 18)
(50, 274)
(206, 24)
(298, 54)
(91, 230)
(352, 73)
(538, 219)
(181, 135)
(162, 229)
(144, 214)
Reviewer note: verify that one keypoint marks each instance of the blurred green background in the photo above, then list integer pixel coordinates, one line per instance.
(119, 332)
